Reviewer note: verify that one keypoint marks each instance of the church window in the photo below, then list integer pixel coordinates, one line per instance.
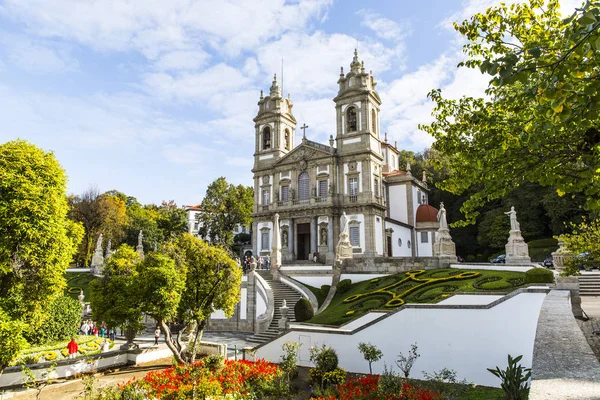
(351, 119)
(285, 193)
(353, 186)
(424, 237)
(419, 198)
(376, 187)
(354, 236)
(266, 138)
(303, 186)
(399, 242)
(287, 139)
(373, 121)
(323, 188)
(265, 194)
(264, 240)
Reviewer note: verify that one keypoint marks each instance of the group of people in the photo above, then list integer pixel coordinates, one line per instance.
(88, 327)
(263, 262)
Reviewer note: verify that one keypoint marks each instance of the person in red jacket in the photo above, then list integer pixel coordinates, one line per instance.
(72, 348)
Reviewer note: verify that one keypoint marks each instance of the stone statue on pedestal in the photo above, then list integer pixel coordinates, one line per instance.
(283, 323)
(443, 246)
(98, 258)
(517, 251)
(344, 248)
(140, 247)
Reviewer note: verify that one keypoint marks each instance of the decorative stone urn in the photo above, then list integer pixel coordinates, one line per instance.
(561, 256)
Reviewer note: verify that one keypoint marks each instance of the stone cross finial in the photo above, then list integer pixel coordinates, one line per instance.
(303, 127)
(425, 178)
(341, 71)
(408, 167)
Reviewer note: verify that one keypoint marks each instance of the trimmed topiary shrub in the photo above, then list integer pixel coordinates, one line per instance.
(344, 285)
(325, 290)
(303, 310)
(539, 275)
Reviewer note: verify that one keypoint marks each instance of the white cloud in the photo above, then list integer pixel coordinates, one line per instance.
(181, 60)
(38, 56)
(312, 62)
(220, 78)
(156, 26)
(384, 28)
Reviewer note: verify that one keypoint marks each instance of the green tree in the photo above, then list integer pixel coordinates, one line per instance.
(61, 321)
(224, 207)
(37, 240)
(371, 354)
(172, 220)
(99, 214)
(539, 122)
(187, 284)
(115, 298)
(143, 218)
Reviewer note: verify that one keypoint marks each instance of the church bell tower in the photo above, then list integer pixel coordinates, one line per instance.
(275, 126)
(357, 110)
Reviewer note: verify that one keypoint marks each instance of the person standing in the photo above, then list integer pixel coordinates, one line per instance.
(156, 335)
(72, 348)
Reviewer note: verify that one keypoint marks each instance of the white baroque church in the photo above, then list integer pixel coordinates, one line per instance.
(310, 185)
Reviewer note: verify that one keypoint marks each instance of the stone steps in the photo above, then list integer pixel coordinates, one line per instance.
(589, 285)
(281, 292)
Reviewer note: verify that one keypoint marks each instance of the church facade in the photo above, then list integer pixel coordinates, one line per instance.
(310, 185)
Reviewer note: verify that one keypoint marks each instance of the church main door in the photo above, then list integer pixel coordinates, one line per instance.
(303, 242)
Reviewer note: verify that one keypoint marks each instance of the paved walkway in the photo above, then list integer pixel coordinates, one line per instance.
(564, 366)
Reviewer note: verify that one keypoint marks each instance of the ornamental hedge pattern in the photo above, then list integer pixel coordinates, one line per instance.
(397, 299)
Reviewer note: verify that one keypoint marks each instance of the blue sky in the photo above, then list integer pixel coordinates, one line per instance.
(156, 98)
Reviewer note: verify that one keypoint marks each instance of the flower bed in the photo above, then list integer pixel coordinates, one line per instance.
(88, 345)
(234, 379)
(367, 388)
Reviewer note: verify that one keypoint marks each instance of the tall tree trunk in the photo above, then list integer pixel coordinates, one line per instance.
(197, 337)
(170, 344)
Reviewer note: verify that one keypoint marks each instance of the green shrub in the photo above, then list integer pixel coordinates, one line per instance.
(303, 310)
(214, 362)
(539, 275)
(61, 321)
(335, 377)
(344, 285)
(325, 290)
(514, 379)
(325, 358)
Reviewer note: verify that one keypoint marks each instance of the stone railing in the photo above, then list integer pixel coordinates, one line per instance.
(264, 320)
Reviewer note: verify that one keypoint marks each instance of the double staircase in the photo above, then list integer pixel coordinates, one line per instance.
(589, 284)
(281, 291)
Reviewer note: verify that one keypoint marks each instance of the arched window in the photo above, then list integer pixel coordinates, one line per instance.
(266, 138)
(351, 118)
(287, 139)
(303, 186)
(374, 121)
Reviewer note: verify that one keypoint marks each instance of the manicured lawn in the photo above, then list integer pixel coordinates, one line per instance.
(418, 286)
(318, 294)
(77, 281)
(88, 345)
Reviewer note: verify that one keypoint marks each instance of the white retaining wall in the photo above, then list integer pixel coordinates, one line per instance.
(464, 338)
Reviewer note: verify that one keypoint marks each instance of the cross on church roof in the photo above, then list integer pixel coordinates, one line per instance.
(303, 127)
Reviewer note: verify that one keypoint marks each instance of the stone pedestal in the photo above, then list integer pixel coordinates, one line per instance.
(283, 323)
(344, 248)
(517, 252)
(561, 257)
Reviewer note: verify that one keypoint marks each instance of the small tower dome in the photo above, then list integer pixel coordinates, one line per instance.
(426, 213)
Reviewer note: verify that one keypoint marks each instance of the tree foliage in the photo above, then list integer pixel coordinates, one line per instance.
(539, 122)
(37, 240)
(61, 321)
(115, 299)
(184, 285)
(224, 207)
(99, 214)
